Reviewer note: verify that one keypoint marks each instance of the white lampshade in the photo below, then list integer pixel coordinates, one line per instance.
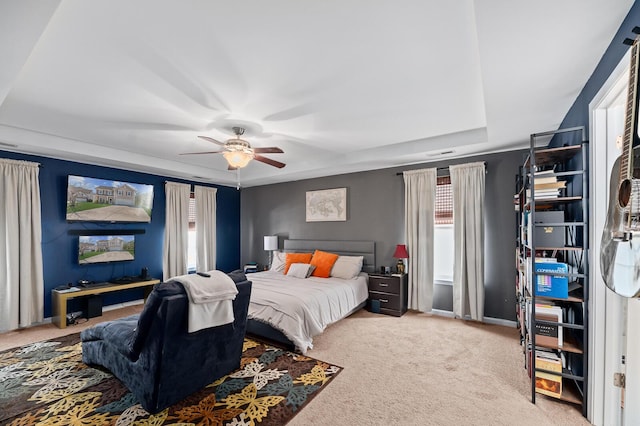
(271, 242)
(237, 159)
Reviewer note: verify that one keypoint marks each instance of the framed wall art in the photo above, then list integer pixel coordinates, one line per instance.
(327, 205)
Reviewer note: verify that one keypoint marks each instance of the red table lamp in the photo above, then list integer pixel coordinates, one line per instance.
(400, 254)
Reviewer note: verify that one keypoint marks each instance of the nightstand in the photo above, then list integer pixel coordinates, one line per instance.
(390, 291)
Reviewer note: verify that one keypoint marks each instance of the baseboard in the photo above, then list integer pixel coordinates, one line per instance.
(486, 320)
(501, 321)
(46, 320)
(123, 305)
(442, 313)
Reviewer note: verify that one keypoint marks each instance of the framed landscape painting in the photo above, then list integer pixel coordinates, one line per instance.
(327, 205)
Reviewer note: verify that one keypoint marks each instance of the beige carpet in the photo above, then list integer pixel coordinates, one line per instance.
(47, 331)
(414, 370)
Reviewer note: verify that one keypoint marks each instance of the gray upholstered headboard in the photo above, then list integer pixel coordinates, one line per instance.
(367, 249)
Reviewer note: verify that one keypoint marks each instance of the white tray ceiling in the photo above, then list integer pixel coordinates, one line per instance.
(339, 86)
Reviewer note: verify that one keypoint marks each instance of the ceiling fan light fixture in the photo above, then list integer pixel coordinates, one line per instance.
(238, 152)
(238, 159)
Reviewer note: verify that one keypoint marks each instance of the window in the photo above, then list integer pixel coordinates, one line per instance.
(191, 247)
(443, 232)
(444, 201)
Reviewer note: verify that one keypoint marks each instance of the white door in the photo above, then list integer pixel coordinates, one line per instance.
(611, 316)
(631, 412)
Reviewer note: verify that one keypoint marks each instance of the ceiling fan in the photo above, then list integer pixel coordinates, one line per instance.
(238, 152)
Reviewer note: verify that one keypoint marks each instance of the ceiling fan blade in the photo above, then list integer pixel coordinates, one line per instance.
(207, 138)
(268, 161)
(205, 152)
(231, 167)
(269, 150)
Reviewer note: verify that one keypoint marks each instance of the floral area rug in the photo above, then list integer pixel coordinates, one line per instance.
(47, 383)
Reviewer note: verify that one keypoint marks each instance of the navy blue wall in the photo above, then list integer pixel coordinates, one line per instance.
(59, 247)
(578, 114)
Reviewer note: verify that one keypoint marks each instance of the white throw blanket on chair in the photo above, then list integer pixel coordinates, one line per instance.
(210, 299)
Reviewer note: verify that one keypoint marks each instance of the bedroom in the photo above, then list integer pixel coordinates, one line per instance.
(375, 212)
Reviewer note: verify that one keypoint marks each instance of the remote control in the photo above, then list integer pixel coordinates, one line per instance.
(203, 274)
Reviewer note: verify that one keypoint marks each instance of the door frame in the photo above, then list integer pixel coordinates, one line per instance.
(608, 319)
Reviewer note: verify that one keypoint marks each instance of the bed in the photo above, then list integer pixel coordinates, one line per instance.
(290, 311)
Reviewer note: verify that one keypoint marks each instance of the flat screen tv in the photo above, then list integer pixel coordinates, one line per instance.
(105, 248)
(104, 200)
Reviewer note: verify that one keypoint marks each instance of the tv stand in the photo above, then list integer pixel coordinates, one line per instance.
(59, 298)
(125, 280)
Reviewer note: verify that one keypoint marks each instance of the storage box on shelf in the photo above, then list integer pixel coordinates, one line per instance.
(552, 289)
(551, 233)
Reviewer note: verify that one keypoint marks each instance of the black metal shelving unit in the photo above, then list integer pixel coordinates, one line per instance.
(566, 163)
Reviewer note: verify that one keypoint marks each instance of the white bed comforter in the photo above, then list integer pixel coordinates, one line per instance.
(303, 308)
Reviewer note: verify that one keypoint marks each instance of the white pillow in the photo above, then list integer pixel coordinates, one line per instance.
(347, 267)
(300, 270)
(278, 261)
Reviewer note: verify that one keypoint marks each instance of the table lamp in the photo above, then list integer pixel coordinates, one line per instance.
(400, 254)
(270, 244)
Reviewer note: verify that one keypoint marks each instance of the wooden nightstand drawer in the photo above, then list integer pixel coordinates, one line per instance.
(387, 300)
(385, 284)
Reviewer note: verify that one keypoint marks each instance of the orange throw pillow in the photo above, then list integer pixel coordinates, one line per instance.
(323, 261)
(296, 258)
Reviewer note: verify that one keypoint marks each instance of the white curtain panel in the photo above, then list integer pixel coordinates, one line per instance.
(419, 206)
(176, 230)
(22, 283)
(205, 228)
(467, 182)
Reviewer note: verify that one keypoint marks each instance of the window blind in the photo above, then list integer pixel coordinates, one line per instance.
(192, 211)
(444, 201)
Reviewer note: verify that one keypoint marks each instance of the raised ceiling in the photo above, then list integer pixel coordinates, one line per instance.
(339, 86)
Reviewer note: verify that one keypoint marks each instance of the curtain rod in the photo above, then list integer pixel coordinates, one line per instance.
(40, 166)
(438, 169)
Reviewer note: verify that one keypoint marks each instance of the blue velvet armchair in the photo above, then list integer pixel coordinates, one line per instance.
(156, 358)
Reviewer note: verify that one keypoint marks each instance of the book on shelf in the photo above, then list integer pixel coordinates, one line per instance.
(549, 186)
(549, 261)
(549, 334)
(250, 267)
(547, 353)
(521, 311)
(548, 383)
(540, 259)
(546, 185)
(552, 280)
(545, 176)
(544, 194)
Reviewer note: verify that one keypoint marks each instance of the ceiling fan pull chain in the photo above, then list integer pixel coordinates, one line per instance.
(238, 176)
